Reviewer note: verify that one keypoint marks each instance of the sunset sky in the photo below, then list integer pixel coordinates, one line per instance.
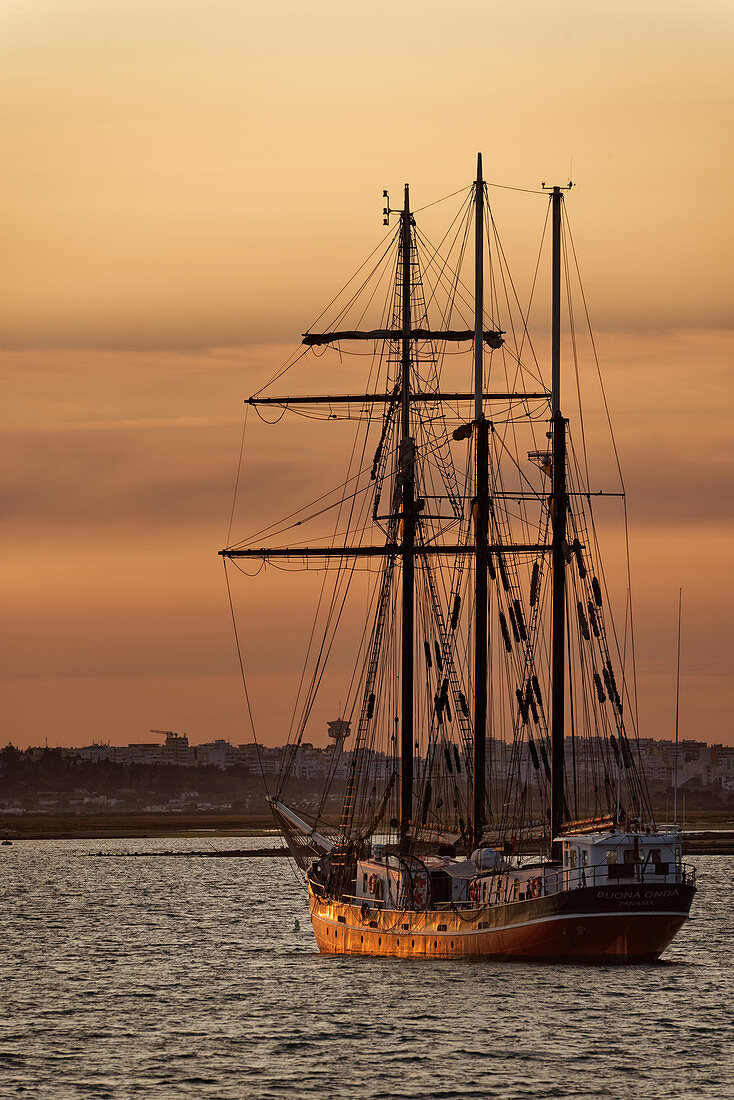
(186, 184)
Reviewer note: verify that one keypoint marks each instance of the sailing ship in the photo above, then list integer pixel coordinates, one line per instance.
(494, 803)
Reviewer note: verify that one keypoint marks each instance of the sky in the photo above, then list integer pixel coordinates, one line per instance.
(185, 186)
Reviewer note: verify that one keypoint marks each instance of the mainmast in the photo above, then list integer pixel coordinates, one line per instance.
(406, 476)
(558, 518)
(481, 517)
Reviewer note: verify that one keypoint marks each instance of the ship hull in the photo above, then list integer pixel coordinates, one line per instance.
(630, 923)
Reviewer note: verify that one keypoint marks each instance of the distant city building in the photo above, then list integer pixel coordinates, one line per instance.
(698, 763)
(218, 754)
(176, 748)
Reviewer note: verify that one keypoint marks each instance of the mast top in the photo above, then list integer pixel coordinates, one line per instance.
(556, 197)
(478, 292)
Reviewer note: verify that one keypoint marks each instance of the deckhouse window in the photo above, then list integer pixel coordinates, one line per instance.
(612, 856)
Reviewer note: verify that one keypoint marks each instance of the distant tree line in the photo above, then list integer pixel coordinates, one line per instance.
(27, 776)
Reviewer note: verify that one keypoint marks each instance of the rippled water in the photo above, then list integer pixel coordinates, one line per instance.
(166, 977)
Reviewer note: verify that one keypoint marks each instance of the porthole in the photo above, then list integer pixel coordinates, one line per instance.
(452, 943)
(361, 939)
(398, 943)
(379, 942)
(412, 943)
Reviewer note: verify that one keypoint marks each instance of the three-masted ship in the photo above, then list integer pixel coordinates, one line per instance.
(494, 803)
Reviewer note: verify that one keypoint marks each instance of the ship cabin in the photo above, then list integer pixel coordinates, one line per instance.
(592, 859)
(386, 880)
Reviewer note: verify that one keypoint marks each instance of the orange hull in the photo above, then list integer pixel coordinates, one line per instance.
(586, 925)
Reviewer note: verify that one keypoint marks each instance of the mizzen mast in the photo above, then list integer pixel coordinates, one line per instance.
(406, 481)
(559, 502)
(481, 521)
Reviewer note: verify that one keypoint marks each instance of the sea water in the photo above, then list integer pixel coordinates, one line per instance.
(159, 976)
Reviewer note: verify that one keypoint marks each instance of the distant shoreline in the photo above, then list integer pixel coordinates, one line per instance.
(34, 826)
(709, 833)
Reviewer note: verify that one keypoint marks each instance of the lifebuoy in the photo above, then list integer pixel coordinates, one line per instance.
(474, 892)
(372, 884)
(535, 886)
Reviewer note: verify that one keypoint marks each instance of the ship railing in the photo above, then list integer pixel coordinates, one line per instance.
(352, 899)
(381, 903)
(370, 902)
(618, 874)
(511, 887)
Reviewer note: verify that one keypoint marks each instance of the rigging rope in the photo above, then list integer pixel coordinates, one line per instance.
(244, 678)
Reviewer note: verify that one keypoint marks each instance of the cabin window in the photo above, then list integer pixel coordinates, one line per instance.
(573, 858)
(655, 855)
(442, 928)
(612, 856)
(585, 858)
(364, 881)
(628, 855)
